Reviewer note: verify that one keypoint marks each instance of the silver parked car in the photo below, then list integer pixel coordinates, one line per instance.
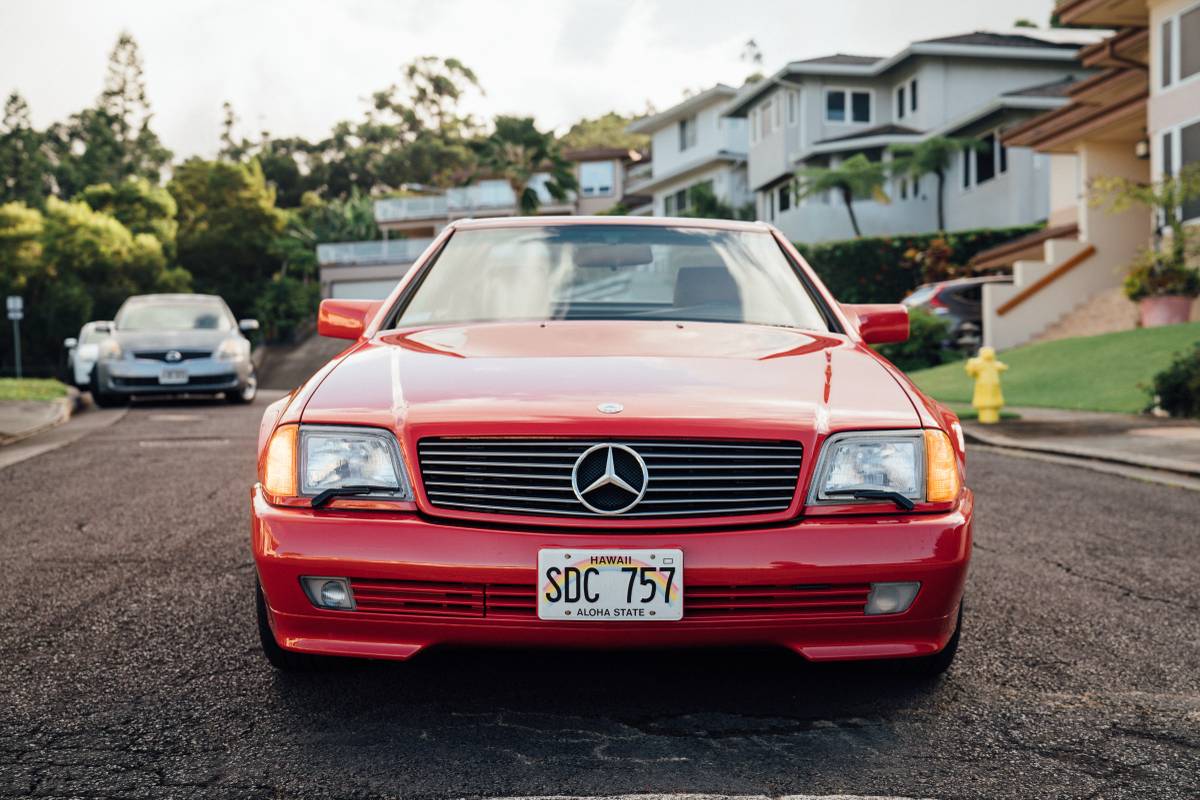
(82, 351)
(175, 344)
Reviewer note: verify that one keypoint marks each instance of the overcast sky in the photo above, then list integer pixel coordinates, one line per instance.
(296, 67)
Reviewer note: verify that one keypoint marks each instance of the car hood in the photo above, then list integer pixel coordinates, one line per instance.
(677, 379)
(170, 340)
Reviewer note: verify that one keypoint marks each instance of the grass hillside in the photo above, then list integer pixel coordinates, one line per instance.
(40, 389)
(1091, 373)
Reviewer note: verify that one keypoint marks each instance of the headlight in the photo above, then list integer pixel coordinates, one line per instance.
(110, 350)
(314, 459)
(918, 465)
(234, 349)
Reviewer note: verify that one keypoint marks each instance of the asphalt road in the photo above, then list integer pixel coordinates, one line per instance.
(131, 666)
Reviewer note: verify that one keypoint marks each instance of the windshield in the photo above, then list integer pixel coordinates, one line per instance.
(575, 272)
(168, 316)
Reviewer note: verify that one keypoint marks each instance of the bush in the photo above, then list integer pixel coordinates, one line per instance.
(1160, 275)
(925, 346)
(883, 269)
(285, 306)
(1177, 388)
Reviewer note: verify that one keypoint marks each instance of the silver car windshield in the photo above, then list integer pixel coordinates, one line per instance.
(167, 316)
(629, 272)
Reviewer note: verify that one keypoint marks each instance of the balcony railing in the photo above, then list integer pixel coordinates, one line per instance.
(394, 251)
(483, 196)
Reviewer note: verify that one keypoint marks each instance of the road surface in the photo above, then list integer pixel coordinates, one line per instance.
(132, 667)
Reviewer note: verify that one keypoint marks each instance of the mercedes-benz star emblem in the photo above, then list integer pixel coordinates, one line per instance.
(174, 355)
(609, 478)
(610, 408)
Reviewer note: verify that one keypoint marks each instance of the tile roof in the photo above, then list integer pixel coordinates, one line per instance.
(988, 39)
(881, 130)
(844, 59)
(1058, 88)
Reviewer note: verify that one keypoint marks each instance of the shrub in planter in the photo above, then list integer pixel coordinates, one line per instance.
(1163, 286)
(925, 346)
(1176, 389)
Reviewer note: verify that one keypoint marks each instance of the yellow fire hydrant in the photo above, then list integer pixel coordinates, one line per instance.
(988, 399)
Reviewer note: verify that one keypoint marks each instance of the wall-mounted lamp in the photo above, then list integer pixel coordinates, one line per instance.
(1142, 149)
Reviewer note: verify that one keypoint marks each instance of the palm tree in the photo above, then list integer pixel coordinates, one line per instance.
(930, 157)
(516, 150)
(856, 177)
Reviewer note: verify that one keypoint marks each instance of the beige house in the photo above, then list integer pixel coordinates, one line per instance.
(1139, 118)
(370, 270)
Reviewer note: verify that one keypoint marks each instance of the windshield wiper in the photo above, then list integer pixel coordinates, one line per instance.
(875, 494)
(349, 491)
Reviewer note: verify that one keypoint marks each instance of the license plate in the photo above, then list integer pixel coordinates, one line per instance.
(173, 375)
(610, 585)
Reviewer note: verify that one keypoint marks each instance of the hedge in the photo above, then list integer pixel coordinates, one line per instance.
(876, 269)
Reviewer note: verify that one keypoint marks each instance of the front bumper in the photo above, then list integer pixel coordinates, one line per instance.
(290, 542)
(141, 376)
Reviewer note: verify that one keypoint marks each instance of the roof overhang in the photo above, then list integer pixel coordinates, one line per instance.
(655, 182)
(1110, 106)
(1025, 248)
(717, 94)
(1109, 13)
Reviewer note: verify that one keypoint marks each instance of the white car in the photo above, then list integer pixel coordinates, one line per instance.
(83, 352)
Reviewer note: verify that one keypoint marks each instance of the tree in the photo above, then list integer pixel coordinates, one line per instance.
(930, 157)
(24, 168)
(228, 224)
(20, 245)
(855, 178)
(140, 206)
(112, 140)
(606, 130)
(517, 151)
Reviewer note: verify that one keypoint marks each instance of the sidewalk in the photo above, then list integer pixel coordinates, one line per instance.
(22, 418)
(1172, 445)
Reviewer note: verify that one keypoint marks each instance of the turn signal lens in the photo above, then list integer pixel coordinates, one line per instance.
(942, 481)
(279, 473)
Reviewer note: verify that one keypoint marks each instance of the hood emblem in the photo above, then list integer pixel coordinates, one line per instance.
(174, 355)
(609, 478)
(610, 408)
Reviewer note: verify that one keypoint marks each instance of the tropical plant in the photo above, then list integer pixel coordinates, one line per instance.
(517, 151)
(704, 203)
(855, 178)
(1162, 269)
(933, 156)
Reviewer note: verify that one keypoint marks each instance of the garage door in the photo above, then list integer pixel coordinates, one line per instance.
(361, 290)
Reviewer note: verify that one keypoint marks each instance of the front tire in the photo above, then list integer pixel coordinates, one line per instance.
(105, 399)
(244, 394)
(280, 659)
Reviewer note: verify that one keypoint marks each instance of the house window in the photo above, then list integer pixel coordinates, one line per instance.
(793, 101)
(966, 168)
(1002, 156)
(1189, 43)
(753, 127)
(900, 103)
(912, 94)
(903, 188)
(1165, 41)
(765, 119)
(846, 106)
(1189, 153)
(835, 106)
(785, 197)
(687, 133)
(596, 178)
(779, 115)
(985, 159)
(676, 203)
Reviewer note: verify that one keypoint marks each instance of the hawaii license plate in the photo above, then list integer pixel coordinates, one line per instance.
(614, 585)
(173, 375)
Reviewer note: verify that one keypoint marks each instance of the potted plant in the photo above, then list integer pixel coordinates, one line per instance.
(1161, 281)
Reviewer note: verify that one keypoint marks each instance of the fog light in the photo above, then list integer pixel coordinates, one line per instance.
(328, 592)
(891, 598)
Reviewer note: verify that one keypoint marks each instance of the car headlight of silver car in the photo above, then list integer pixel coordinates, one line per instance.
(233, 349)
(905, 467)
(325, 461)
(109, 350)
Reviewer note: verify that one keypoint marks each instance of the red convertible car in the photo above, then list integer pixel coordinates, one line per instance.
(610, 433)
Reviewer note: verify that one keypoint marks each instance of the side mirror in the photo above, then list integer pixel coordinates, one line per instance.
(880, 323)
(247, 325)
(70, 342)
(345, 319)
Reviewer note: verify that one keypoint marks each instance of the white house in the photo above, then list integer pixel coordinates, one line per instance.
(693, 143)
(821, 111)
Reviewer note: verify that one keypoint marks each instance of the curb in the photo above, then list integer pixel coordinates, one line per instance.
(65, 408)
(972, 435)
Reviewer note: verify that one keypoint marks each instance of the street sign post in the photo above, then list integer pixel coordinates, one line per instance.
(16, 312)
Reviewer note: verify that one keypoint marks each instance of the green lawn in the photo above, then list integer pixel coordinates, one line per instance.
(43, 389)
(1091, 373)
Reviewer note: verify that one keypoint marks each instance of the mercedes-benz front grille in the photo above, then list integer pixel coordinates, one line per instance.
(610, 478)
